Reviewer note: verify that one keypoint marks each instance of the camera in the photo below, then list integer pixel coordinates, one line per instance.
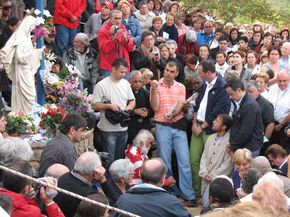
(117, 29)
(118, 117)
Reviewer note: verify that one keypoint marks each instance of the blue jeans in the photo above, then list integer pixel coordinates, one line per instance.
(169, 138)
(63, 38)
(115, 144)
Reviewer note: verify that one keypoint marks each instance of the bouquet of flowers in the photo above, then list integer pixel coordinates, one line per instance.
(19, 123)
(43, 23)
(73, 99)
(51, 120)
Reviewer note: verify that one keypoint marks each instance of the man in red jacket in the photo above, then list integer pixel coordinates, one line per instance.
(66, 19)
(20, 191)
(114, 42)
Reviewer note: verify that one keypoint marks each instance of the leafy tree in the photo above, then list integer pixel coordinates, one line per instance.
(246, 11)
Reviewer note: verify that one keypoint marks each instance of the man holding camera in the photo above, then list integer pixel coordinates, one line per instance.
(114, 94)
(114, 42)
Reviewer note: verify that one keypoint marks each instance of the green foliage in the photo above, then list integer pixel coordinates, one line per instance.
(246, 11)
(19, 123)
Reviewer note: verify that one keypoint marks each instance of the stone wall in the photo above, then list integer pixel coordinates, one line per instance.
(87, 143)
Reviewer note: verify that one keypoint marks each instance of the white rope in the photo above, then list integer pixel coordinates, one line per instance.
(68, 192)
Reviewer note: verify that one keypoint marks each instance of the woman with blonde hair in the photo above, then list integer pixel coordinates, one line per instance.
(242, 159)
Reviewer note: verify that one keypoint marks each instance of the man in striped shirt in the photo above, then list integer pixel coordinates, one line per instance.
(167, 98)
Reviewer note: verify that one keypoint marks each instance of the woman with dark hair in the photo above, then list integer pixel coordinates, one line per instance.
(233, 37)
(274, 54)
(238, 68)
(3, 123)
(285, 34)
(267, 42)
(251, 62)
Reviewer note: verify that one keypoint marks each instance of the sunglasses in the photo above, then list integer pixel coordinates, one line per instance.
(6, 8)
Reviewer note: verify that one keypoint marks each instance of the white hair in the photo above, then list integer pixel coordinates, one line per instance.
(14, 148)
(170, 41)
(84, 38)
(273, 178)
(135, 73)
(142, 137)
(87, 162)
(121, 169)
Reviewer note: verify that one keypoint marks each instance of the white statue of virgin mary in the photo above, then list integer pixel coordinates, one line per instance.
(21, 61)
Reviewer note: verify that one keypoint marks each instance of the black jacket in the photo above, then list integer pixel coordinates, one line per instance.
(69, 182)
(247, 128)
(150, 202)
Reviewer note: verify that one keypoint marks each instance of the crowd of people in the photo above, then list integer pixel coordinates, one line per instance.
(192, 112)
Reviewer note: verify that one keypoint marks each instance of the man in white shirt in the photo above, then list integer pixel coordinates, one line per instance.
(114, 93)
(211, 101)
(279, 96)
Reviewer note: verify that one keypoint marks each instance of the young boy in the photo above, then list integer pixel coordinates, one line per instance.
(221, 65)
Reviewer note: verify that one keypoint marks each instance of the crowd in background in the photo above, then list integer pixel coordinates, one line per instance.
(208, 101)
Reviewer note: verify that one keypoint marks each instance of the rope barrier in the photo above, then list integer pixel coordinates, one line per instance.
(68, 192)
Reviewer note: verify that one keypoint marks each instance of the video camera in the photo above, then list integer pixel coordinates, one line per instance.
(118, 117)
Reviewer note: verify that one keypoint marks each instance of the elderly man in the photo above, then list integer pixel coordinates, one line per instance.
(285, 56)
(167, 98)
(142, 113)
(114, 95)
(19, 190)
(97, 20)
(61, 149)
(148, 198)
(206, 37)
(114, 42)
(85, 59)
(247, 128)
(266, 108)
(13, 149)
(56, 171)
(279, 95)
(87, 171)
(137, 154)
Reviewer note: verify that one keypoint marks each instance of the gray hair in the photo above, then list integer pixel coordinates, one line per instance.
(252, 83)
(170, 41)
(87, 162)
(141, 137)
(84, 38)
(121, 169)
(113, 12)
(135, 72)
(12, 149)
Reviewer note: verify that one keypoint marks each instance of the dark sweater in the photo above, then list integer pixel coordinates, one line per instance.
(71, 183)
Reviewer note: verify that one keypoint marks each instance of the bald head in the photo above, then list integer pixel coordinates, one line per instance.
(153, 171)
(283, 79)
(262, 164)
(56, 170)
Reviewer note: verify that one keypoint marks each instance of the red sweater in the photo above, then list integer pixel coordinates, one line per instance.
(66, 9)
(26, 207)
(111, 49)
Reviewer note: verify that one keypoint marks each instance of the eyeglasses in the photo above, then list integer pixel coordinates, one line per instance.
(6, 8)
(117, 18)
(139, 81)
